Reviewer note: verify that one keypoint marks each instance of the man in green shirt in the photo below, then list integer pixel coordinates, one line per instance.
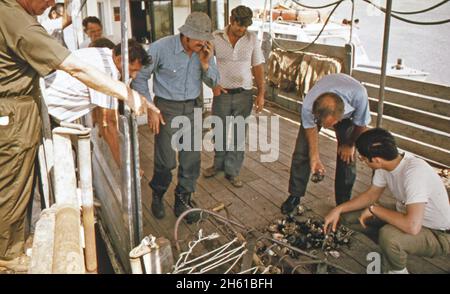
(27, 52)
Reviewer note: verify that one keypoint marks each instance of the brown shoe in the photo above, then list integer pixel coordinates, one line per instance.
(210, 172)
(235, 181)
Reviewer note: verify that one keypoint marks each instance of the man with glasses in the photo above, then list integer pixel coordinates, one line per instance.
(337, 101)
(420, 222)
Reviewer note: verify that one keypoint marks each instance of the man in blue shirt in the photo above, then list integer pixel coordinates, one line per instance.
(180, 64)
(337, 101)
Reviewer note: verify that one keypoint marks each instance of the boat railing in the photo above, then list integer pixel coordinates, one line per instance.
(417, 112)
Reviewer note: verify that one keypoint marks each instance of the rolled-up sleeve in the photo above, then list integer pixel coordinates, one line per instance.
(211, 76)
(40, 50)
(140, 83)
(361, 116)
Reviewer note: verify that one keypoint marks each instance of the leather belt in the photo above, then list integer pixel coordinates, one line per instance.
(235, 90)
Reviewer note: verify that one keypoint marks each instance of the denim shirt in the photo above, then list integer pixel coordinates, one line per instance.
(176, 76)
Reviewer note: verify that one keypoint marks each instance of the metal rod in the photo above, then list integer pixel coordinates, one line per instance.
(352, 21)
(387, 26)
(135, 202)
(270, 22)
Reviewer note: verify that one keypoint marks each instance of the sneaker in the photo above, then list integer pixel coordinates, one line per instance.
(399, 272)
(235, 181)
(290, 204)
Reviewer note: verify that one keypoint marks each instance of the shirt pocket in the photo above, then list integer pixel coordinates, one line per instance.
(169, 70)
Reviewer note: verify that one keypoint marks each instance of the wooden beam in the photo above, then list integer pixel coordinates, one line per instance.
(415, 101)
(423, 150)
(428, 136)
(413, 86)
(410, 115)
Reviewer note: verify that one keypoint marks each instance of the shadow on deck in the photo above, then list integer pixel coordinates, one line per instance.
(258, 202)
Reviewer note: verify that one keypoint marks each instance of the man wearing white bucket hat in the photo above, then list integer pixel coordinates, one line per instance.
(180, 64)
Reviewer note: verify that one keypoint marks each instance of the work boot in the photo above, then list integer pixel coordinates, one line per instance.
(158, 206)
(290, 204)
(183, 203)
(210, 172)
(235, 181)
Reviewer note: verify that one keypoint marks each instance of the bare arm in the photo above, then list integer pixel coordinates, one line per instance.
(99, 81)
(258, 73)
(356, 203)
(312, 136)
(410, 222)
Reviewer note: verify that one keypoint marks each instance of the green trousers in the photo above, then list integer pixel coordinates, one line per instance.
(19, 137)
(396, 245)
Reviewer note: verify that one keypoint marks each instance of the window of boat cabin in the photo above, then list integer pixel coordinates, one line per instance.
(216, 9)
(161, 19)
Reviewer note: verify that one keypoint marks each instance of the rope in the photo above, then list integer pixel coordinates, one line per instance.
(315, 7)
(318, 35)
(408, 20)
(212, 259)
(421, 11)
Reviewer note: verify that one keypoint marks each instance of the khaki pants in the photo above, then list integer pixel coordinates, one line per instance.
(396, 245)
(18, 145)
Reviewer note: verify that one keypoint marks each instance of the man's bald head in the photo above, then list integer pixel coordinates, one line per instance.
(328, 107)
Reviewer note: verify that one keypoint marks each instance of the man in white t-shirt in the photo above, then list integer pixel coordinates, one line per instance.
(68, 99)
(420, 224)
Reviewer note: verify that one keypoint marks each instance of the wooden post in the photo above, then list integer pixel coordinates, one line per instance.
(42, 254)
(87, 200)
(68, 255)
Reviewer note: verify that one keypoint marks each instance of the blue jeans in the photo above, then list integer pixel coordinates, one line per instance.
(301, 170)
(231, 105)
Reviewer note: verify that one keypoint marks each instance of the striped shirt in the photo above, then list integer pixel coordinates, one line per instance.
(235, 64)
(68, 99)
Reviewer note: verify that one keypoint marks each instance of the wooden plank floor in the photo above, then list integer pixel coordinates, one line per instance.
(258, 202)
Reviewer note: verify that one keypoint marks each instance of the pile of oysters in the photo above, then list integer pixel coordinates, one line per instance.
(308, 235)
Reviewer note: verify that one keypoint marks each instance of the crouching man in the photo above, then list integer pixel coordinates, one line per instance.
(419, 225)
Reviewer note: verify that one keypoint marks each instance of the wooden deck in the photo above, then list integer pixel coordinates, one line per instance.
(258, 202)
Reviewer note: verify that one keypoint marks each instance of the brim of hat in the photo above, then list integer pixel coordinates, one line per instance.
(188, 32)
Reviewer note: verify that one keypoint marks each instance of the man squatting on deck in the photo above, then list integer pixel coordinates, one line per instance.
(420, 222)
(27, 53)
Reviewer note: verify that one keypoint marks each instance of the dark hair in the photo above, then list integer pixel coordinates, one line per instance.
(135, 52)
(102, 43)
(377, 142)
(55, 8)
(242, 15)
(322, 110)
(91, 19)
